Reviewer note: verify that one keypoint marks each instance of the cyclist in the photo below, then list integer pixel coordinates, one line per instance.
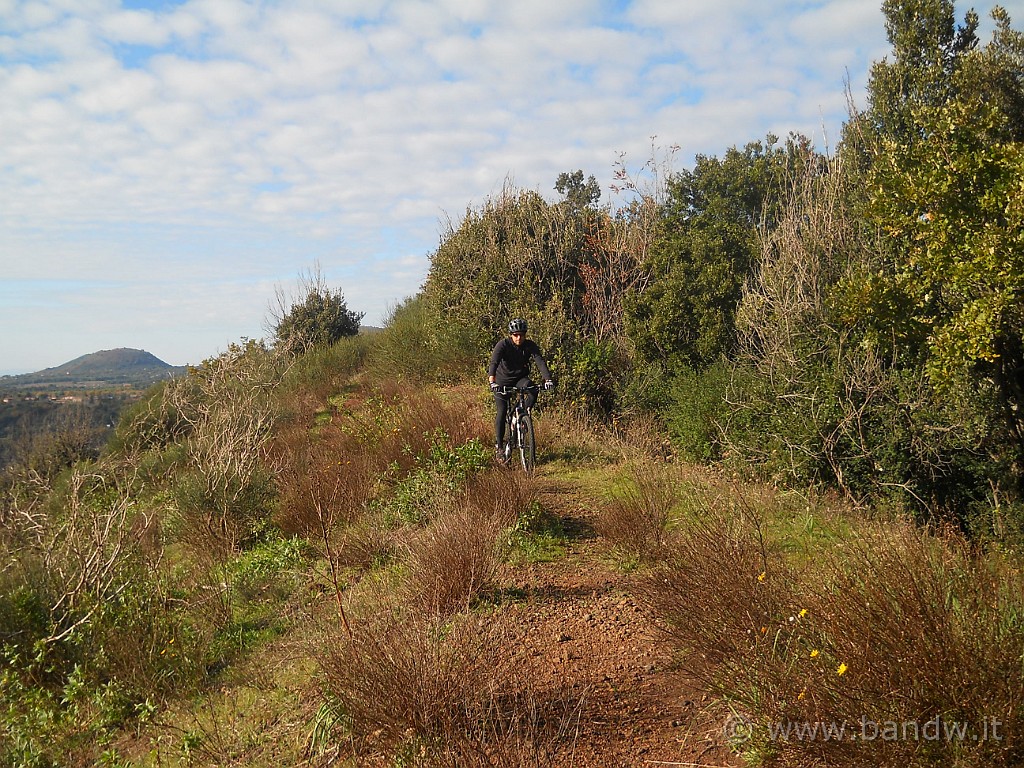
(510, 367)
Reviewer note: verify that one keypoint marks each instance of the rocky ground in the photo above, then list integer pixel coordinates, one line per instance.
(575, 623)
(581, 627)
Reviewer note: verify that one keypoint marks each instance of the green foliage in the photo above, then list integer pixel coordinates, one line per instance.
(323, 370)
(576, 192)
(223, 506)
(318, 319)
(696, 414)
(517, 256)
(416, 346)
(928, 49)
(266, 567)
(706, 247)
(944, 188)
(435, 478)
(538, 535)
(592, 377)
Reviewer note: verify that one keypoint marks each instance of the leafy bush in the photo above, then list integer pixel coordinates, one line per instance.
(437, 476)
(319, 318)
(591, 379)
(696, 412)
(223, 508)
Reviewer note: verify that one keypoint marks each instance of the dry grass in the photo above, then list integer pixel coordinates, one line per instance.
(457, 556)
(890, 627)
(635, 520)
(432, 692)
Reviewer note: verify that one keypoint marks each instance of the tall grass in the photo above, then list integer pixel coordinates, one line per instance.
(453, 692)
(880, 629)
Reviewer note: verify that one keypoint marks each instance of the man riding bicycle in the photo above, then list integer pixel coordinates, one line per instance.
(510, 367)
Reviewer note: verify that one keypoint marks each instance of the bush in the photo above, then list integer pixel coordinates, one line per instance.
(457, 556)
(440, 692)
(697, 412)
(322, 372)
(891, 625)
(635, 521)
(319, 318)
(415, 346)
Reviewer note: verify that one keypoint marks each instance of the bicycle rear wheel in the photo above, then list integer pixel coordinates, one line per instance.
(527, 446)
(510, 443)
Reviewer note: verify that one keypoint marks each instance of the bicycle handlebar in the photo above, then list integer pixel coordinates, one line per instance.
(506, 390)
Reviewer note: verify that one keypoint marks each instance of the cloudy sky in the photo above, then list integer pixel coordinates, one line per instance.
(166, 167)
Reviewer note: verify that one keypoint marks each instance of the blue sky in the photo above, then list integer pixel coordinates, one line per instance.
(167, 167)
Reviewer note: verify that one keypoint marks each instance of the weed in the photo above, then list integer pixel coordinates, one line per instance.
(537, 535)
(636, 518)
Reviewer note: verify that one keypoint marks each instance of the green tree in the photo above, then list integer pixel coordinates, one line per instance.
(577, 192)
(516, 255)
(320, 318)
(706, 246)
(944, 191)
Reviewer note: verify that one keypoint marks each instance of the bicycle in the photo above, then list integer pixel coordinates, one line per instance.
(519, 426)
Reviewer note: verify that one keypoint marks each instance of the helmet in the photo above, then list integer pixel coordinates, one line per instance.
(518, 325)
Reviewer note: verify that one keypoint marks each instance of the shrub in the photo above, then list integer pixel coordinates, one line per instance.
(319, 318)
(440, 692)
(321, 373)
(697, 412)
(416, 347)
(457, 556)
(892, 626)
(635, 520)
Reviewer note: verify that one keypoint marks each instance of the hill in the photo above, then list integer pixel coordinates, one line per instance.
(112, 367)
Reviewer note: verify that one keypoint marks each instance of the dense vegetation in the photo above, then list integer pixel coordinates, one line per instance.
(32, 422)
(846, 326)
(851, 321)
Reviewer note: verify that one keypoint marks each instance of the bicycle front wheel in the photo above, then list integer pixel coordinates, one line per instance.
(527, 446)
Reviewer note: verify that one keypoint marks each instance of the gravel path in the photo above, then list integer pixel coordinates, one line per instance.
(584, 632)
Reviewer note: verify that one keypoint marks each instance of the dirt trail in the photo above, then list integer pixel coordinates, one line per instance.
(582, 628)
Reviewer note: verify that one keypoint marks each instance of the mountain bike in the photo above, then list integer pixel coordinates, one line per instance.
(519, 427)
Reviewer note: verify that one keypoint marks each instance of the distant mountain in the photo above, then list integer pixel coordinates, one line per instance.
(111, 367)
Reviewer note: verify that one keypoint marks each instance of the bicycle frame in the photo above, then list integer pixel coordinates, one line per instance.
(519, 435)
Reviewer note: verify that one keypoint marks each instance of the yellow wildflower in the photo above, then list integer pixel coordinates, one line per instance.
(842, 669)
(803, 693)
(803, 612)
(762, 576)
(814, 653)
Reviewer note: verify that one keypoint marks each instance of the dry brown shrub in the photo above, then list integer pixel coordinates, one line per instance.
(457, 556)
(327, 479)
(884, 626)
(635, 520)
(718, 589)
(367, 542)
(443, 693)
(926, 632)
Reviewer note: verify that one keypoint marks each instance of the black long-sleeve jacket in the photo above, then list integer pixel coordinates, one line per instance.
(511, 362)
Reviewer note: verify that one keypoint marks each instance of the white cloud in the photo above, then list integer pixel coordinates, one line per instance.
(204, 150)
